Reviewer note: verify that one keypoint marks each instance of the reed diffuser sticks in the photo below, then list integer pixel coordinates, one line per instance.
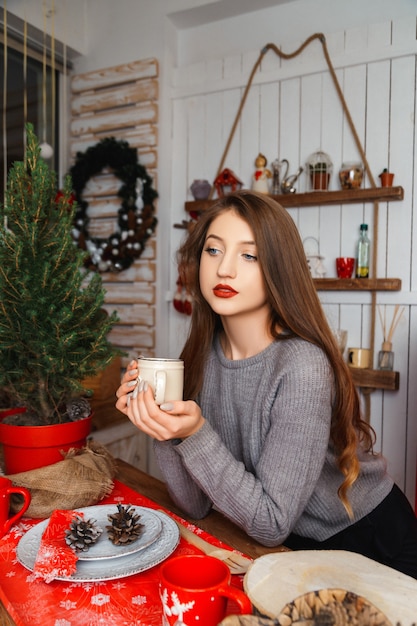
(394, 323)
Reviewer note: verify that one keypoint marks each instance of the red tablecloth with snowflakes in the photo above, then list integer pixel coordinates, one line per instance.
(130, 601)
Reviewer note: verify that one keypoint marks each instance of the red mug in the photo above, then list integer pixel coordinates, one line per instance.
(345, 266)
(6, 490)
(194, 590)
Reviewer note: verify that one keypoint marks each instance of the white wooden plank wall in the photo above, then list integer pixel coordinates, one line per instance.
(293, 110)
(121, 102)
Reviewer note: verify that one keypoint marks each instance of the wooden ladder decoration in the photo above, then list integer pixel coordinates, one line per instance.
(321, 38)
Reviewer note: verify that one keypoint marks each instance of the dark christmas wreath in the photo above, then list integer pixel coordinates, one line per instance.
(136, 217)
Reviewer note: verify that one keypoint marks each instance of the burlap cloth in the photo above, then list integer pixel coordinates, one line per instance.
(83, 478)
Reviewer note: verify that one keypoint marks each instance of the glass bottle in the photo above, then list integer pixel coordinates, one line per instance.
(362, 262)
(386, 357)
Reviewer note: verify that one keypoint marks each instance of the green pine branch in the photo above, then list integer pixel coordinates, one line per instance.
(53, 330)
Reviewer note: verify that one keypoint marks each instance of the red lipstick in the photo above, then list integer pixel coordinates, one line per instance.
(224, 291)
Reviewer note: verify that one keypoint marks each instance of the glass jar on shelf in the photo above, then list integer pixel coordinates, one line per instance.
(386, 357)
(200, 189)
(351, 175)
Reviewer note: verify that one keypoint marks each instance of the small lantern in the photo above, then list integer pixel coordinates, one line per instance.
(227, 182)
(314, 258)
(319, 170)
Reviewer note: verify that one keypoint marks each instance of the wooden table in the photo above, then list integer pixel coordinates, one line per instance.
(215, 523)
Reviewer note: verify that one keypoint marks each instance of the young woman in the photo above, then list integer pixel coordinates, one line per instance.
(270, 431)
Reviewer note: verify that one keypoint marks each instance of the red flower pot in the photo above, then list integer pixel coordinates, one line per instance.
(387, 179)
(29, 447)
(320, 181)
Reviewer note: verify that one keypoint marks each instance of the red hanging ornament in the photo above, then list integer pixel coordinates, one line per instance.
(188, 304)
(60, 194)
(182, 298)
(178, 301)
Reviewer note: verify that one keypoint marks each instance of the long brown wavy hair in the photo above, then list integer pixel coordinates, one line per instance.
(294, 307)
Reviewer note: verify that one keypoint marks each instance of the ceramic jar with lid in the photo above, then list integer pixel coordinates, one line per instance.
(200, 189)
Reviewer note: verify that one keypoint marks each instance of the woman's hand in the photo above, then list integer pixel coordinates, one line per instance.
(127, 386)
(172, 420)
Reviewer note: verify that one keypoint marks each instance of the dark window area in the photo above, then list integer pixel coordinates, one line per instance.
(39, 108)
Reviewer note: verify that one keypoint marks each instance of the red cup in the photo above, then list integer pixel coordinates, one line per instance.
(6, 490)
(194, 590)
(345, 266)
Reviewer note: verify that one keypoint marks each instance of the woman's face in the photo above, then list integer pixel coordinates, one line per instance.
(231, 279)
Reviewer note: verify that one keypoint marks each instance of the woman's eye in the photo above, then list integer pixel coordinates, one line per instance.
(211, 250)
(250, 257)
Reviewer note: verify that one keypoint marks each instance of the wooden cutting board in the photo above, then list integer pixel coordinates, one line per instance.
(276, 579)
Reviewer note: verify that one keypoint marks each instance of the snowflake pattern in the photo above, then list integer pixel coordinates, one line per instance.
(67, 605)
(20, 528)
(118, 585)
(100, 599)
(62, 622)
(139, 600)
(87, 586)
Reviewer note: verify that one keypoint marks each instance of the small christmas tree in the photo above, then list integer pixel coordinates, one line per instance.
(53, 330)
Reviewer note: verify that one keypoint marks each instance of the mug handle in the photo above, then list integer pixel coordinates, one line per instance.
(160, 385)
(26, 501)
(241, 599)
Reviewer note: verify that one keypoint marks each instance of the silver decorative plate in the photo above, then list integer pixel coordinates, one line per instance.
(99, 569)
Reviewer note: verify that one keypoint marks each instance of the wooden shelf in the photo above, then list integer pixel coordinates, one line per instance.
(375, 379)
(357, 284)
(317, 198)
(320, 198)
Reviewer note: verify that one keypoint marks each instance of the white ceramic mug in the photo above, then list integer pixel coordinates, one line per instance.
(359, 357)
(165, 376)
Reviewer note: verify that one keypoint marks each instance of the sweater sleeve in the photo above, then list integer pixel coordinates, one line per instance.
(267, 499)
(182, 487)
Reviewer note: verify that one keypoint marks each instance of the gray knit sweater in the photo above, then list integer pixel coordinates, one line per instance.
(263, 456)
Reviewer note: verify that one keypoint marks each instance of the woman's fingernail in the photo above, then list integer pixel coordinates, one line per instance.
(167, 406)
(128, 400)
(133, 372)
(137, 389)
(131, 383)
(145, 386)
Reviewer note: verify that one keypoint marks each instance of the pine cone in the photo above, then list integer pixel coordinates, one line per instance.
(82, 534)
(78, 408)
(125, 526)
